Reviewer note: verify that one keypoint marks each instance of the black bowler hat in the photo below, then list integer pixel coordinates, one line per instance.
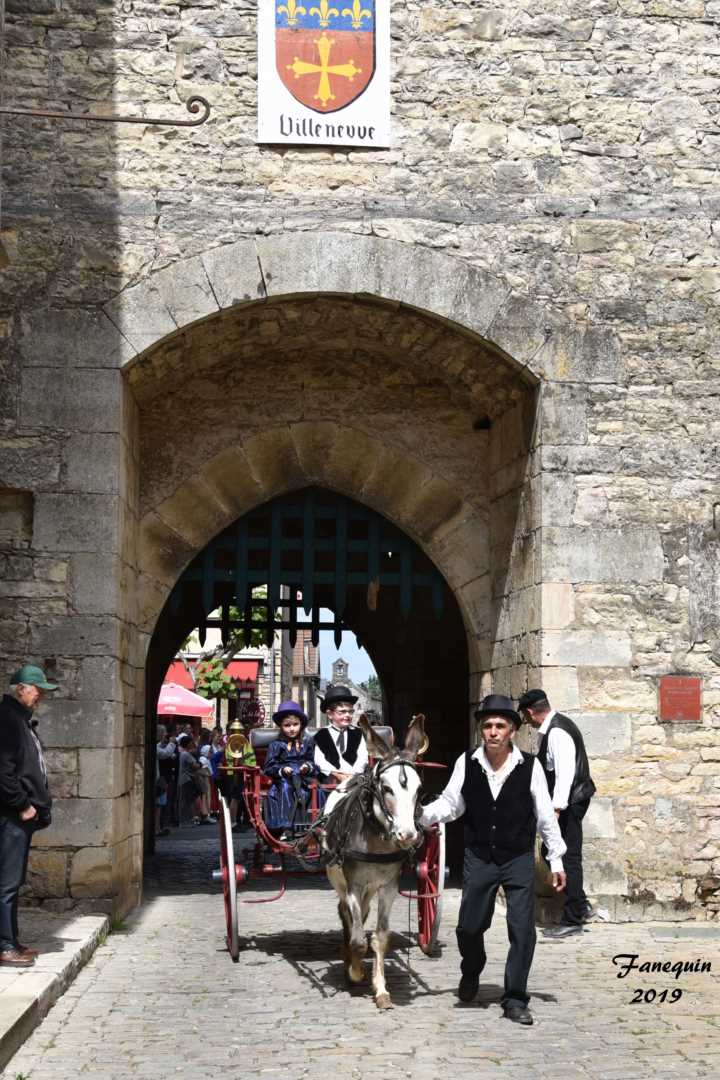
(531, 698)
(498, 705)
(334, 695)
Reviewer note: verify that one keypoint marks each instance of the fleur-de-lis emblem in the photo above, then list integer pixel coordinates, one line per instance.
(292, 10)
(325, 12)
(357, 13)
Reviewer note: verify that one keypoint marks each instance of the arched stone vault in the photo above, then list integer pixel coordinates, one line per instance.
(307, 358)
(361, 396)
(231, 359)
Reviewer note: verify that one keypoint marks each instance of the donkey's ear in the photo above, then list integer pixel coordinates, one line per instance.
(376, 745)
(416, 741)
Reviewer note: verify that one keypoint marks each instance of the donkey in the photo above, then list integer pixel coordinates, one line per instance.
(370, 830)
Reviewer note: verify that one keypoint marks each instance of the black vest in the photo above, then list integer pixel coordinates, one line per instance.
(353, 738)
(498, 831)
(582, 788)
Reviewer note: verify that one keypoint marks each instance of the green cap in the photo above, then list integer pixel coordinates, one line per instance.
(32, 676)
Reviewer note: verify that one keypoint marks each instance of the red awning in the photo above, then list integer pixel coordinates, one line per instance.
(177, 674)
(238, 669)
(243, 669)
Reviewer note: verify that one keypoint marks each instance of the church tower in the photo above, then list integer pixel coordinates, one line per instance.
(340, 672)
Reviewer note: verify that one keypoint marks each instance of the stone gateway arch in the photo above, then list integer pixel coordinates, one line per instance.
(425, 389)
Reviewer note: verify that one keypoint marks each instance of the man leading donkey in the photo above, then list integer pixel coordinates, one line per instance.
(504, 796)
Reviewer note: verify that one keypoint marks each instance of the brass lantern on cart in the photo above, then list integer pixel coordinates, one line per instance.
(238, 750)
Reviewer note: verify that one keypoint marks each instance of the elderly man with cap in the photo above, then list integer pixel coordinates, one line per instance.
(340, 749)
(561, 752)
(24, 801)
(504, 796)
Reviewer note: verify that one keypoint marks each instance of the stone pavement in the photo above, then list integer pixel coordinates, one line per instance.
(66, 943)
(161, 998)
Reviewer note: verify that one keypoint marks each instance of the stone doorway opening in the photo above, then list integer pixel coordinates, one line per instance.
(408, 414)
(317, 552)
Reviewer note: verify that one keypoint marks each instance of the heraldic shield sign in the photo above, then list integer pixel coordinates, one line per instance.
(320, 59)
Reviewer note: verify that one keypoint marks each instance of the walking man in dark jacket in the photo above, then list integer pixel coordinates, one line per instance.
(24, 801)
(561, 752)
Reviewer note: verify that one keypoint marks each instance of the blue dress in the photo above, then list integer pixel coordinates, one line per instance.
(288, 800)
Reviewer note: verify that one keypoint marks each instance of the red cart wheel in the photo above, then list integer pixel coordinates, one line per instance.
(229, 879)
(431, 885)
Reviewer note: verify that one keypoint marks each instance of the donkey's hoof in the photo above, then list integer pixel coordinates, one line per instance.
(383, 1001)
(355, 978)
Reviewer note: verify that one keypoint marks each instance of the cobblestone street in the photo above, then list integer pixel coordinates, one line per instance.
(161, 998)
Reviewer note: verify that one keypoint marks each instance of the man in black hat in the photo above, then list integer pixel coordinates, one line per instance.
(24, 801)
(561, 752)
(504, 796)
(340, 749)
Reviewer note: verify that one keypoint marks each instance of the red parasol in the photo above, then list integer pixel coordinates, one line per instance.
(177, 701)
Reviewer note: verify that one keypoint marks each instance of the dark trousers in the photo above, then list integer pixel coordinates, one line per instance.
(481, 881)
(187, 797)
(15, 837)
(576, 902)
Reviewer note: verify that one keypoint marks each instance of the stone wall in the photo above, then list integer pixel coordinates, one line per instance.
(567, 163)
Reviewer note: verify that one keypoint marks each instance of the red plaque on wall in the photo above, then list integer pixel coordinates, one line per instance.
(681, 699)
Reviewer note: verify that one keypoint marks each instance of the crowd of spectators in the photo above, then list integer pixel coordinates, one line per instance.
(184, 786)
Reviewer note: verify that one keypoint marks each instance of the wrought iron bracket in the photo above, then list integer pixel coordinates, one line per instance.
(195, 104)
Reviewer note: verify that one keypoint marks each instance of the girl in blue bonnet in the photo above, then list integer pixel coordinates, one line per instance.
(290, 765)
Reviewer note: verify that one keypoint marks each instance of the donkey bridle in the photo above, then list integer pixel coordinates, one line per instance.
(373, 791)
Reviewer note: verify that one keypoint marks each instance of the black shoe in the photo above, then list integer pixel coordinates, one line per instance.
(468, 987)
(518, 1014)
(563, 930)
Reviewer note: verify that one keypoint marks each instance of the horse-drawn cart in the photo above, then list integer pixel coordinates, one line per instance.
(278, 857)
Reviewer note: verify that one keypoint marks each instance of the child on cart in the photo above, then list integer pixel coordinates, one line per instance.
(290, 765)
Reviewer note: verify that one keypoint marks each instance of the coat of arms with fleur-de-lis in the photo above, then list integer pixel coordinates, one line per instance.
(325, 50)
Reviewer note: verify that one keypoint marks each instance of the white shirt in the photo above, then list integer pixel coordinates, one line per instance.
(560, 760)
(450, 805)
(327, 768)
(41, 756)
(166, 751)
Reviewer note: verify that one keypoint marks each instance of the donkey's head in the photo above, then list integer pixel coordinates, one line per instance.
(396, 781)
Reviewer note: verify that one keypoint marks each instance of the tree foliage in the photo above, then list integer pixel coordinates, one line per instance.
(372, 686)
(212, 680)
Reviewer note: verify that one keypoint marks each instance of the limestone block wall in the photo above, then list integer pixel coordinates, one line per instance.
(67, 591)
(564, 164)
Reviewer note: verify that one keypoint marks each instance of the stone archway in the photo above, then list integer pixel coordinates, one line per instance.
(460, 336)
(409, 416)
(399, 410)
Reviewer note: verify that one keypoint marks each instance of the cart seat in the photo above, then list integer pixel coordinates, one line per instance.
(260, 738)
